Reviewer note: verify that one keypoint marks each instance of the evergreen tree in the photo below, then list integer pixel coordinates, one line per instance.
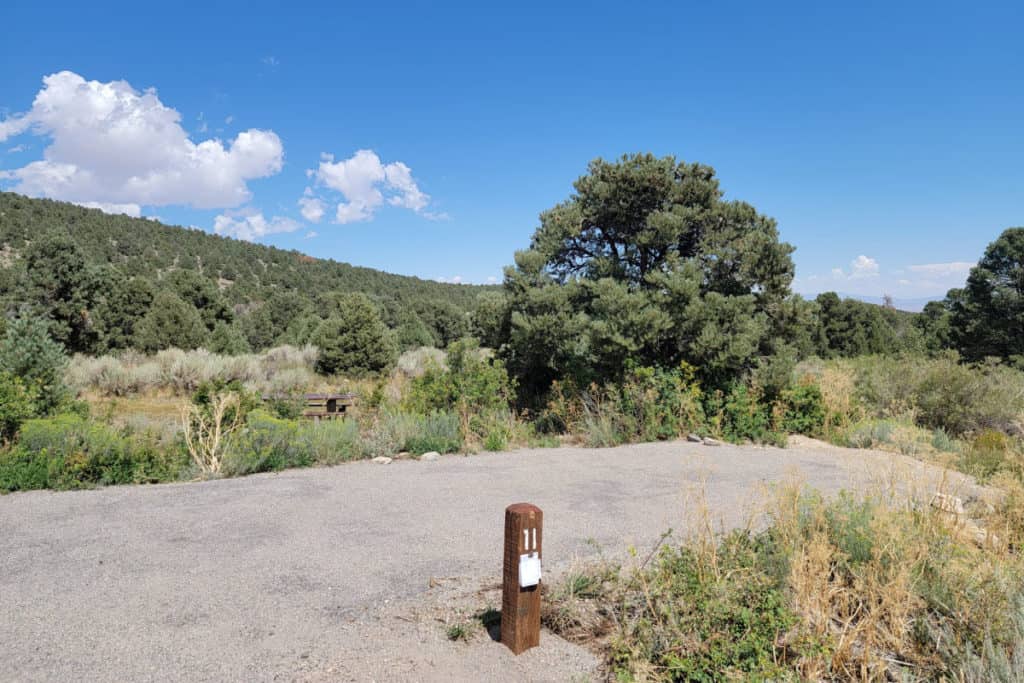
(988, 314)
(169, 323)
(354, 340)
(204, 296)
(63, 289)
(122, 305)
(30, 355)
(228, 340)
(645, 263)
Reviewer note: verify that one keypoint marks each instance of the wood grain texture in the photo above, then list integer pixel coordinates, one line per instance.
(520, 607)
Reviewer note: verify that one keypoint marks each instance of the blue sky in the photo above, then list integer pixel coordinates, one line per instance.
(887, 141)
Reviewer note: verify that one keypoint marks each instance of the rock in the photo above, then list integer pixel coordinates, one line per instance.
(708, 441)
(431, 456)
(382, 459)
(948, 503)
(693, 438)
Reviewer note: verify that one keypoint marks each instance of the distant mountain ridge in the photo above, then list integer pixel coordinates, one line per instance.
(910, 305)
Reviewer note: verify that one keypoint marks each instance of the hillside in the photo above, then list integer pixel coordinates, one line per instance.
(119, 249)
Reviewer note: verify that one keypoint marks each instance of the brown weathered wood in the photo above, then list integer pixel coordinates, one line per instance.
(323, 406)
(520, 607)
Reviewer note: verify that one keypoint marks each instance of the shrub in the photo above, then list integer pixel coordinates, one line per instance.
(28, 353)
(986, 454)
(332, 441)
(648, 404)
(870, 433)
(69, 452)
(218, 409)
(17, 404)
(418, 434)
(736, 613)
(830, 590)
(266, 444)
(743, 416)
(474, 387)
(472, 382)
(803, 409)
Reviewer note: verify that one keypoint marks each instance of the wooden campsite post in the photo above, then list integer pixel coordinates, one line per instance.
(520, 605)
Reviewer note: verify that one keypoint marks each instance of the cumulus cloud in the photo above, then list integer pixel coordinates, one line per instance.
(365, 183)
(251, 225)
(860, 268)
(111, 144)
(863, 266)
(454, 280)
(311, 208)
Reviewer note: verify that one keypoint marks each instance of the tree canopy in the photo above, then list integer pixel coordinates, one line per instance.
(646, 262)
(988, 313)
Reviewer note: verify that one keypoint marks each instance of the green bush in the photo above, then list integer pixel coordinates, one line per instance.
(744, 416)
(265, 444)
(803, 409)
(735, 613)
(271, 444)
(472, 382)
(649, 404)
(420, 434)
(17, 404)
(67, 452)
(986, 454)
(333, 441)
(28, 353)
(942, 392)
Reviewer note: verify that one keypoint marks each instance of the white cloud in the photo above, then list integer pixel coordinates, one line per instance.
(455, 280)
(17, 148)
(956, 269)
(312, 208)
(860, 268)
(110, 144)
(491, 280)
(133, 210)
(863, 266)
(311, 234)
(366, 183)
(251, 225)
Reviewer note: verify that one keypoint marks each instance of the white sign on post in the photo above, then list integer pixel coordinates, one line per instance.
(529, 563)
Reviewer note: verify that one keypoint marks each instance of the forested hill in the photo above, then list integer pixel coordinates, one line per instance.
(117, 249)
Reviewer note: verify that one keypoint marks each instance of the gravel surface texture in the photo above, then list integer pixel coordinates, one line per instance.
(350, 572)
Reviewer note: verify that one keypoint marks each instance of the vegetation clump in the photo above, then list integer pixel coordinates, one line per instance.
(849, 588)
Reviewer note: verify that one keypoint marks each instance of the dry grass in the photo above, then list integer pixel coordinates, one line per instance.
(880, 586)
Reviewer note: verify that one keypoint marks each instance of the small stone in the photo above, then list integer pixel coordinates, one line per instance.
(693, 438)
(382, 459)
(708, 441)
(948, 503)
(431, 456)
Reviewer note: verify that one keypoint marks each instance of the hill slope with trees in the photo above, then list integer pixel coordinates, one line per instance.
(97, 276)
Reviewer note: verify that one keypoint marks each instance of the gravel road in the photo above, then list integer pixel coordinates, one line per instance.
(306, 574)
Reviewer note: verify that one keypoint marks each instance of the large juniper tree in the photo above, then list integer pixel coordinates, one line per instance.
(647, 262)
(988, 313)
